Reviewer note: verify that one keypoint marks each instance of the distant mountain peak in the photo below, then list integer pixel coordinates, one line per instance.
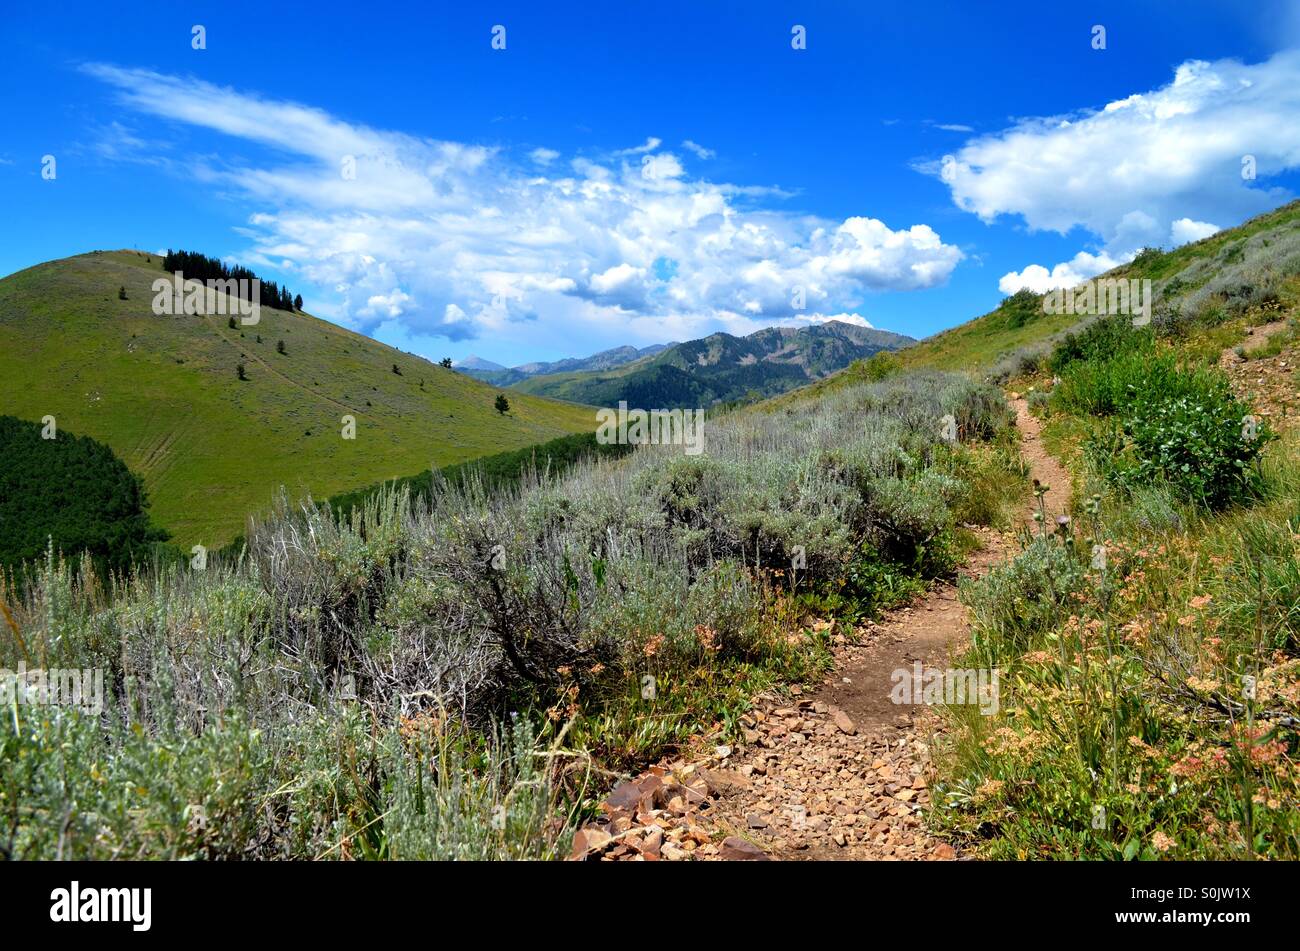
(476, 363)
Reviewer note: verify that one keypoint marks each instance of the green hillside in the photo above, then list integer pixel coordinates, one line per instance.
(721, 367)
(163, 393)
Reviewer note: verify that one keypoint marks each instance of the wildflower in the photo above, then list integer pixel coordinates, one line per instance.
(990, 787)
(707, 637)
(1161, 842)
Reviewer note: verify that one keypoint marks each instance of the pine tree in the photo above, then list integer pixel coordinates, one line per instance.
(239, 371)
(297, 302)
(279, 346)
(121, 292)
(502, 404)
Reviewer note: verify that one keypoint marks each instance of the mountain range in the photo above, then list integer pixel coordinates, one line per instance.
(699, 373)
(498, 375)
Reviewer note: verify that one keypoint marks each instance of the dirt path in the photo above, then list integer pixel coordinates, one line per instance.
(1267, 383)
(841, 774)
(1255, 337)
(1043, 467)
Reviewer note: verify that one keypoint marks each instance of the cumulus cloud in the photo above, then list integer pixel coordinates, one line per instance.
(1150, 169)
(387, 305)
(1067, 274)
(1185, 231)
(458, 240)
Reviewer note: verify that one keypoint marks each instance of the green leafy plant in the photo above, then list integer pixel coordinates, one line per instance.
(1202, 440)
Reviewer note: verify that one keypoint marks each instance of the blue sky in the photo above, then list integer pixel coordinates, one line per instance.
(636, 175)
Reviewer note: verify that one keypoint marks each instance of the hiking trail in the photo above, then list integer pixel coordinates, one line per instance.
(837, 772)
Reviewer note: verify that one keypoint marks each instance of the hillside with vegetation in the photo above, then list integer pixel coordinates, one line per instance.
(1147, 639)
(482, 627)
(71, 492)
(215, 416)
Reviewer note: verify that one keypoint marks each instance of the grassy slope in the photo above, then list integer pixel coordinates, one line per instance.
(162, 392)
(980, 343)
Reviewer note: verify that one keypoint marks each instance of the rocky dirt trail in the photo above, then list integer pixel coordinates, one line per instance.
(841, 772)
(1269, 383)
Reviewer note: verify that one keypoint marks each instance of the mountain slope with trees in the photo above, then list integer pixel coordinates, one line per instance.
(69, 490)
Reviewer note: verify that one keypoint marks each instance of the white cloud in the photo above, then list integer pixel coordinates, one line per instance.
(650, 144)
(854, 318)
(1068, 274)
(699, 150)
(388, 305)
(1145, 170)
(1185, 231)
(661, 166)
(954, 127)
(456, 240)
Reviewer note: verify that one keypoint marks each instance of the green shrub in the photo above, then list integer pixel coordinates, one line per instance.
(1103, 339)
(1104, 387)
(1039, 402)
(1193, 436)
(1021, 307)
(1022, 598)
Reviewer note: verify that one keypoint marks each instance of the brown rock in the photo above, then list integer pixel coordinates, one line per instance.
(721, 782)
(589, 840)
(736, 849)
(843, 722)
